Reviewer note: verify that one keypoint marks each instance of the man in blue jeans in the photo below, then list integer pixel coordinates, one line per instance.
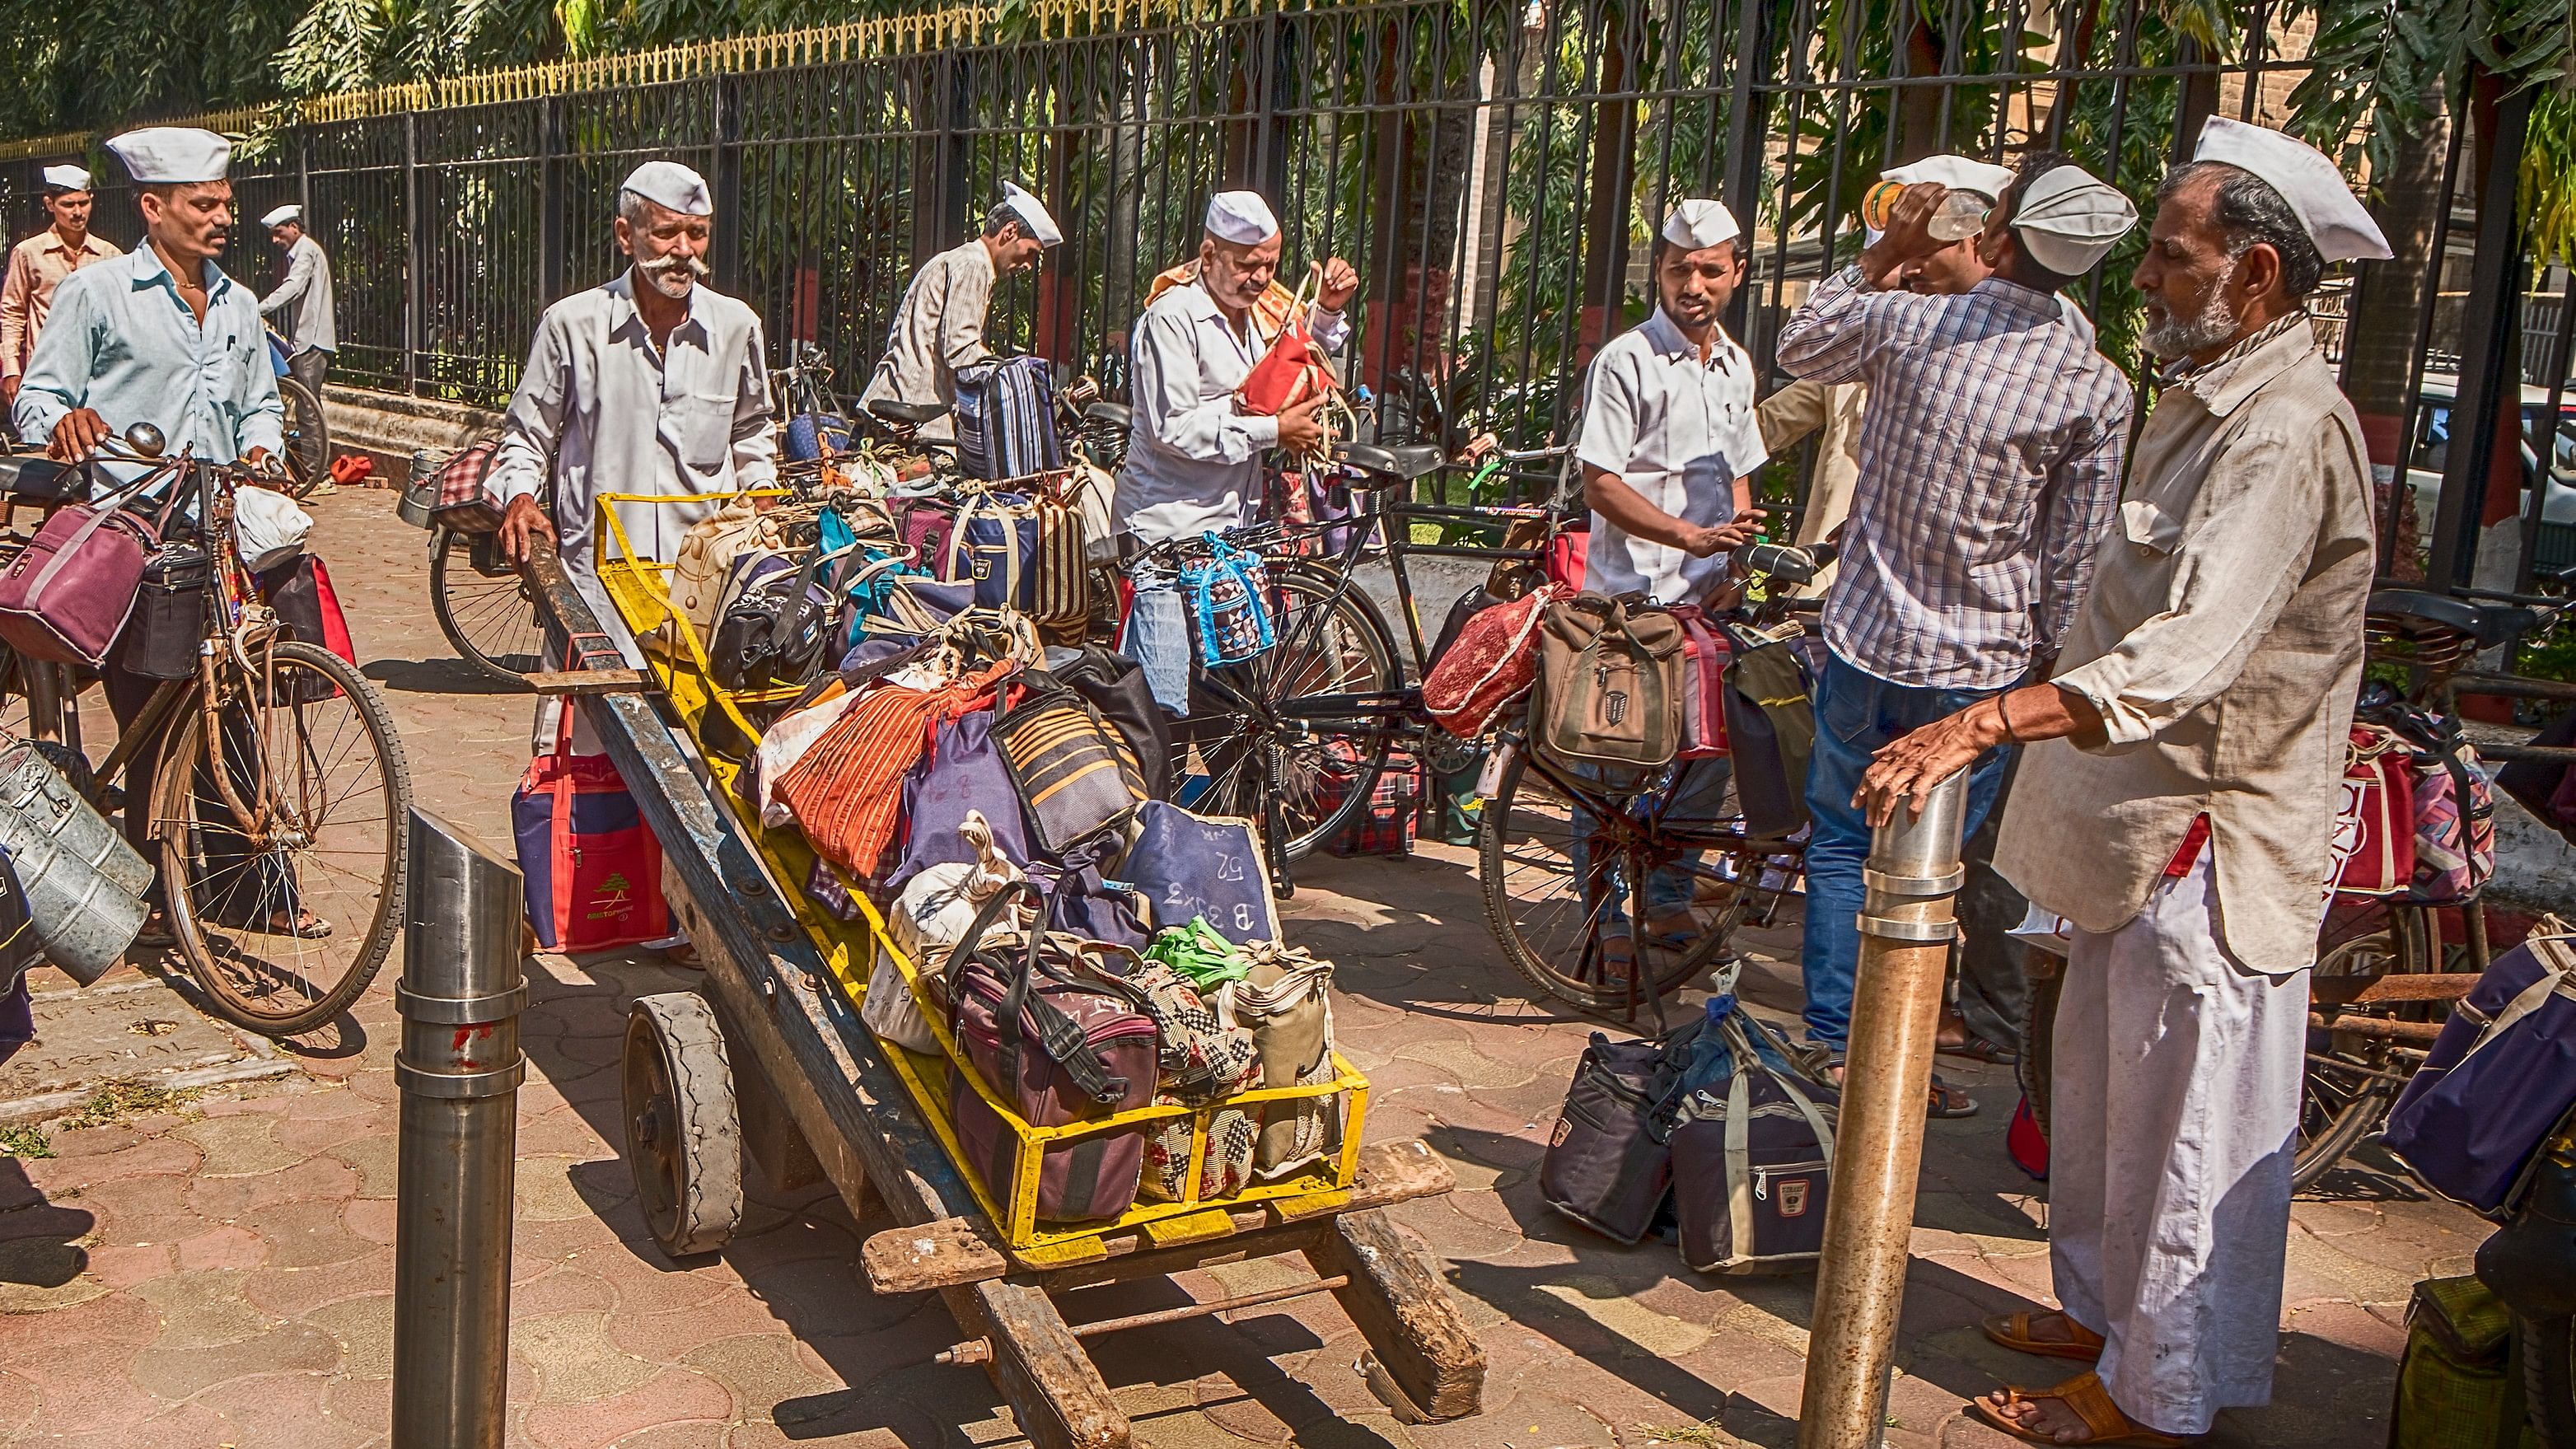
(1989, 464)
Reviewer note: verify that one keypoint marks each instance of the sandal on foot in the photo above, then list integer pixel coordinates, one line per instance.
(1978, 1049)
(2015, 1331)
(2085, 1398)
(1948, 1103)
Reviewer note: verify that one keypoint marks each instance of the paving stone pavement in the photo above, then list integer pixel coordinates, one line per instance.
(221, 1274)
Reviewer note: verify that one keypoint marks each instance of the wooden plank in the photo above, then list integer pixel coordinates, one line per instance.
(1419, 1336)
(937, 1255)
(2395, 986)
(765, 974)
(587, 681)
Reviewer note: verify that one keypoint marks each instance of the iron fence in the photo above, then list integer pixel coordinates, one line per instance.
(1493, 167)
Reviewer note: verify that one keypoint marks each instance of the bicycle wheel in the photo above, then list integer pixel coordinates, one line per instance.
(308, 436)
(284, 925)
(484, 607)
(2351, 1080)
(1257, 742)
(1563, 862)
(2548, 1376)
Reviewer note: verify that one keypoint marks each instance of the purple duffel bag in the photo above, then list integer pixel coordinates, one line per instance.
(65, 599)
(2499, 1077)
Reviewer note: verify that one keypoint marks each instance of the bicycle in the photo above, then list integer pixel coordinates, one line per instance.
(307, 454)
(280, 799)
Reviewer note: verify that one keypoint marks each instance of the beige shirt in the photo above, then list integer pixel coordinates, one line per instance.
(1786, 417)
(2221, 643)
(938, 329)
(36, 266)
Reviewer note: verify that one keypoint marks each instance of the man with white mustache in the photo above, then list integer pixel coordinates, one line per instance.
(650, 383)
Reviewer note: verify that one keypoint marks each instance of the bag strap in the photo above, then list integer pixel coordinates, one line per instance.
(1739, 1155)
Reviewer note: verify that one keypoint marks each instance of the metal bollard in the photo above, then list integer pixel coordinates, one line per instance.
(459, 1069)
(1906, 928)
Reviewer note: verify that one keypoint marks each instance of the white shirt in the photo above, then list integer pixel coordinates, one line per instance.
(938, 329)
(601, 410)
(304, 299)
(1678, 430)
(1193, 461)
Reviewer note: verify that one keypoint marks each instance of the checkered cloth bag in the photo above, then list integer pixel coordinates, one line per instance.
(1388, 825)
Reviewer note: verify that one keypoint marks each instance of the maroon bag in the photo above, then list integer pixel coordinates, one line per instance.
(66, 597)
(1059, 1050)
(924, 525)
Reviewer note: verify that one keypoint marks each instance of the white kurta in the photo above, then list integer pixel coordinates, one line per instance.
(2175, 1257)
(1680, 430)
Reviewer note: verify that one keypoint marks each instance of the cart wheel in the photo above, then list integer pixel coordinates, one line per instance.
(683, 1138)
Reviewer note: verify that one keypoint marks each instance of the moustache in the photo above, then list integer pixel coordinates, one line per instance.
(659, 265)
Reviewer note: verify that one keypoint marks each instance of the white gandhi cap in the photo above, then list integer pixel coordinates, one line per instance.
(2309, 181)
(2068, 219)
(68, 178)
(172, 155)
(283, 215)
(1033, 215)
(1241, 217)
(1698, 223)
(673, 187)
(1958, 173)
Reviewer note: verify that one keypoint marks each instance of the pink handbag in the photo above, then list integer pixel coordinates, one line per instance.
(65, 599)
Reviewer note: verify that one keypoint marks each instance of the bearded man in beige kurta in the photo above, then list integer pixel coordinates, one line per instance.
(2178, 808)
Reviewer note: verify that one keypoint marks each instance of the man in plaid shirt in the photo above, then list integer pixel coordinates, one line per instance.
(1989, 463)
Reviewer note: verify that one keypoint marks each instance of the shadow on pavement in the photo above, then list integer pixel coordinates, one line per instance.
(41, 1247)
(436, 676)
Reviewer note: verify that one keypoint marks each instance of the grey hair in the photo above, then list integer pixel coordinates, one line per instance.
(1001, 216)
(635, 209)
(2248, 210)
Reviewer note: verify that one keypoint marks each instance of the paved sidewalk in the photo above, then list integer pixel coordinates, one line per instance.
(217, 1271)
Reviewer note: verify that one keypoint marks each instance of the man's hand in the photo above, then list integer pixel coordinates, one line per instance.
(1911, 765)
(1336, 285)
(1300, 431)
(265, 472)
(77, 436)
(521, 522)
(1726, 537)
(1908, 237)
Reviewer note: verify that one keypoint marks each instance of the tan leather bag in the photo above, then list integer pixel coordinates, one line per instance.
(1610, 679)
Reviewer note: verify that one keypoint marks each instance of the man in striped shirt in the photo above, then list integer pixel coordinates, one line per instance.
(1989, 462)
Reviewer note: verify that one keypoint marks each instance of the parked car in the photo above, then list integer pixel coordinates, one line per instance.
(2557, 545)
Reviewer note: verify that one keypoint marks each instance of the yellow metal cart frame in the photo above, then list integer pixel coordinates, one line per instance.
(813, 1095)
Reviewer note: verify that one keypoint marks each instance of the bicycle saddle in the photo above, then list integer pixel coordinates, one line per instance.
(910, 414)
(1394, 464)
(2414, 610)
(1118, 414)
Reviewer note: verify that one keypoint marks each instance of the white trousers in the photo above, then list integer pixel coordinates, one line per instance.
(2172, 1121)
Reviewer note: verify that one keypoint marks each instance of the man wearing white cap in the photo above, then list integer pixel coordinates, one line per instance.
(301, 307)
(649, 383)
(939, 328)
(1990, 462)
(1668, 450)
(1193, 455)
(2178, 808)
(39, 264)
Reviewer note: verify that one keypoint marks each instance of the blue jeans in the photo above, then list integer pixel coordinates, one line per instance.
(1856, 712)
(1698, 801)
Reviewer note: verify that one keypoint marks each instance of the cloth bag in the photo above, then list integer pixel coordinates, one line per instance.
(1116, 686)
(1704, 660)
(2497, 1080)
(1295, 369)
(463, 500)
(1190, 867)
(65, 597)
(994, 547)
(1490, 665)
(1609, 683)
(592, 869)
(1609, 1162)
(705, 563)
(1753, 1148)
(1228, 599)
(935, 911)
(1075, 774)
(2374, 830)
(1005, 418)
(268, 529)
(961, 779)
(1286, 999)
(1769, 715)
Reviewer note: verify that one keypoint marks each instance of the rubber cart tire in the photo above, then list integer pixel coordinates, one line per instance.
(683, 1134)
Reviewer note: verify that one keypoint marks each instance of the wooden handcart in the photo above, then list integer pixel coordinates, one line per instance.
(770, 1064)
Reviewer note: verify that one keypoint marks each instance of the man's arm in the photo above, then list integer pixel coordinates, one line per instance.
(961, 316)
(261, 411)
(2078, 505)
(1789, 414)
(755, 441)
(1834, 334)
(1170, 409)
(299, 280)
(56, 383)
(530, 432)
(17, 292)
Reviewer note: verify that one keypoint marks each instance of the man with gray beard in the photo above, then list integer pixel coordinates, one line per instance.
(2177, 806)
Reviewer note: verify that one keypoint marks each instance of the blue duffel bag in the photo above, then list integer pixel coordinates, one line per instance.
(2498, 1079)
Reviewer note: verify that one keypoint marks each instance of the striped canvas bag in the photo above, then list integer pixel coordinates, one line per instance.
(1075, 774)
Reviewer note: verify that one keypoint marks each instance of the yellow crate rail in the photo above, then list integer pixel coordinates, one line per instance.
(639, 587)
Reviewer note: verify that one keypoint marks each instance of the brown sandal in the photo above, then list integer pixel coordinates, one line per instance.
(2083, 1396)
(2013, 1331)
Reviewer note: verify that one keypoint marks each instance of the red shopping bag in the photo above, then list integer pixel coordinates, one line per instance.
(592, 867)
(335, 625)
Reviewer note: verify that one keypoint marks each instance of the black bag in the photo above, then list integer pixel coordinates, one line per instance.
(775, 631)
(1753, 1152)
(169, 619)
(1770, 732)
(1471, 603)
(1115, 685)
(1074, 772)
(2534, 783)
(1608, 1164)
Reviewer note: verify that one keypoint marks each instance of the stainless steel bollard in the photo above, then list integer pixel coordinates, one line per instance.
(459, 1069)
(1906, 926)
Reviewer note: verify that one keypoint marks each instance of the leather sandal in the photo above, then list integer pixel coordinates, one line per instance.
(2085, 1398)
(2013, 1331)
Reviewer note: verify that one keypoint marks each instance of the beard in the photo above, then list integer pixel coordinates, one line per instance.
(673, 276)
(2170, 337)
